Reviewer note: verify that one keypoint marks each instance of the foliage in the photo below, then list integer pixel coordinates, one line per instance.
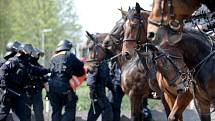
(25, 20)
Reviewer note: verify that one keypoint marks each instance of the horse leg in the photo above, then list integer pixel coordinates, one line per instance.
(180, 105)
(204, 110)
(136, 101)
(168, 103)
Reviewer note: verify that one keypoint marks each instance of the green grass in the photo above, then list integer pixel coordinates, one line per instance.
(84, 101)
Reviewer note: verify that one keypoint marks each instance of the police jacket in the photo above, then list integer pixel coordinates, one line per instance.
(115, 73)
(97, 81)
(2, 61)
(37, 82)
(16, 72)
(63, 66)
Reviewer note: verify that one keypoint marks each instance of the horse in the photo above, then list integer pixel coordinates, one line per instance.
(169, 14)
(84, 50)
(134, 37)
(98, 37)
(198, 54)
(133, 78)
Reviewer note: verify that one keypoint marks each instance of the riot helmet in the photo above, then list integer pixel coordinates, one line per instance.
(64, 45)
(12, 48)
(27, 49)
(37, 53)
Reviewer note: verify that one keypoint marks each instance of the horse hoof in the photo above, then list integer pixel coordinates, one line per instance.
(171, 118)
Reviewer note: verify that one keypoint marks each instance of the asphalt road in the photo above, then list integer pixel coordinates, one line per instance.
(189, 115)
(157, 115)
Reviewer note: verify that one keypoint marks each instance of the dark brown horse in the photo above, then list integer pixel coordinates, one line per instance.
(170, 14)
(167, 69)
(199, 57)
(133, 76)
(99, 38)
(133, 79)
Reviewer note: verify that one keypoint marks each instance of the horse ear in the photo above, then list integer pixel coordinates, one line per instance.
(124, 13)
(138, 8)
(129, 8)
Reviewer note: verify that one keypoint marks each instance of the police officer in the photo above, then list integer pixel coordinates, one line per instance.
(11, 50)
(63, 66)
(117, 93)
(14, 76)
(34, 90)
(97, 79)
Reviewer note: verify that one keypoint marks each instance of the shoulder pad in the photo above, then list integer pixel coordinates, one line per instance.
(60, 53)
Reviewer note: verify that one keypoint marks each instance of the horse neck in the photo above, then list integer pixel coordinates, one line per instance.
(189, 6)
(171, 63)
(194, 48)
(134, 62)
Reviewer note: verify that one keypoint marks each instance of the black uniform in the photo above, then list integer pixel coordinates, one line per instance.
(63, 66)
(3, 114)
(15, 74)
(117, 93)
(2, 61)
(97, 80)
(34, 93)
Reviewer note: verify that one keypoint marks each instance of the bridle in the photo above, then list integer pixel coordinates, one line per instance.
(173, 24)
(179, 74)
(138, 35)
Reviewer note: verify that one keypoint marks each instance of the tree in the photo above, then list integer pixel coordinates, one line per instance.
(69, 18)
(24, 20)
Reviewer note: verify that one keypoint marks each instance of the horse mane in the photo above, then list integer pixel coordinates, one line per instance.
(118, 24)
(136, 59)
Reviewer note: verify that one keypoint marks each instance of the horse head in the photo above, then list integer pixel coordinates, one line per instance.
(135, 36)
(135, 29)
(113, 40)
(166, 19)
(94, 45)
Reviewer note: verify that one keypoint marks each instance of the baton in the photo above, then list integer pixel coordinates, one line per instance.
(14, 92)
(93, 106)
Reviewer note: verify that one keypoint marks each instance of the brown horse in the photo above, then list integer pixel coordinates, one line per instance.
(199, 57)
(133, 76)
(169, 14)
(134, 37)
(99, 38)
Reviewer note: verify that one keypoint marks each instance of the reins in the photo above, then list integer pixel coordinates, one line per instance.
(169, 58)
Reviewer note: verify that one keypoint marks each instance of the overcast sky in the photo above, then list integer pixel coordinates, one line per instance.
(101, 15)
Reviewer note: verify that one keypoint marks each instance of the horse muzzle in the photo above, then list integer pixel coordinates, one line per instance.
(182, 88)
